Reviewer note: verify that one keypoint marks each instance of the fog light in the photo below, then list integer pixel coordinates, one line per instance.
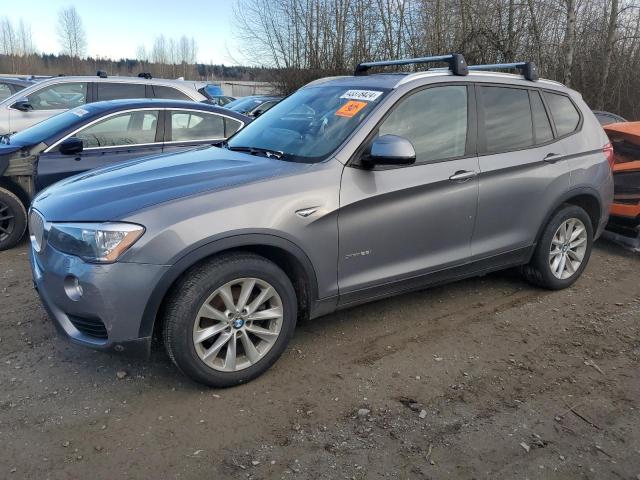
(72, 287)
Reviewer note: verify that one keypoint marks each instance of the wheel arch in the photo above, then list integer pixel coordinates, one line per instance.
(584, 197)
(284, 253)
(8, 184)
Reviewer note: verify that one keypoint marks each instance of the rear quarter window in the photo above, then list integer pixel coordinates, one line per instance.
(564, 113)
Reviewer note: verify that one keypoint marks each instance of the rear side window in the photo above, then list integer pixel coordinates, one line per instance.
(191, 126)
(434, 120)
(231, 126)
(115, 91)
(564, 113)
(169, 93)
(507, 119)
(5, 91)
(541, 124)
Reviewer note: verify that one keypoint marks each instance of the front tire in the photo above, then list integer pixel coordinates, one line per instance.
(229, 319)
(13, 219)
(563, 251)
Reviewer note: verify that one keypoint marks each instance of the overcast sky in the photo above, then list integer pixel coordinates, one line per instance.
(115, 28)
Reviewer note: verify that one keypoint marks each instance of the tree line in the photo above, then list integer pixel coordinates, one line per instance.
(166, 57)
(590, 45)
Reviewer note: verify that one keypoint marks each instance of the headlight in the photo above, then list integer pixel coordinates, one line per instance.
(94, 242)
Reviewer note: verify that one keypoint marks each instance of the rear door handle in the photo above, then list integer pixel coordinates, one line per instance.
(553, 157)
(463, 176)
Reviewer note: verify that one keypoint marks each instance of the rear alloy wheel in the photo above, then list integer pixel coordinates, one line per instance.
(568, 248)
(13, 219)
(563, 250)
(229, 319)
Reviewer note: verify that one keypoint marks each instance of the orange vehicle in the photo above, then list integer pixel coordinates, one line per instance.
(624, 224)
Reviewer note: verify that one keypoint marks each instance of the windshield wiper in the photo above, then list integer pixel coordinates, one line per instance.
(255, 151)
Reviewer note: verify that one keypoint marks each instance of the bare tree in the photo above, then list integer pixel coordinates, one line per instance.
(71, 34)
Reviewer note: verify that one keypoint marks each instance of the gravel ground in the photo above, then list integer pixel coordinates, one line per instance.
(485, 378)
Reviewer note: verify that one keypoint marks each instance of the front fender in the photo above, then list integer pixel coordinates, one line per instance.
(207, 249)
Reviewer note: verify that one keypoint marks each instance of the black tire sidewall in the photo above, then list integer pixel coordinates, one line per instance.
(20, 215)
(541, 258)
(195, 294)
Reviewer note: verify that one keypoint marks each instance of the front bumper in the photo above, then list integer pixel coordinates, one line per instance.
(108, 311)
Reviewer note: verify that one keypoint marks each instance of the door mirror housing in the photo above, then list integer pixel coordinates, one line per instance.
(71, 146)
(23, 105)
(257, 113)
(391, 150)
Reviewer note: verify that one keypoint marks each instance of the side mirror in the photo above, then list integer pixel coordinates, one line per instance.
(391, 150)
(71, 146)
(257, 113)
(23, 105)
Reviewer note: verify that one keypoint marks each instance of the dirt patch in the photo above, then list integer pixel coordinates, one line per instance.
(486, 378)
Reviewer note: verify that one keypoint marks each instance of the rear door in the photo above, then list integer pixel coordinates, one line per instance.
(187, 128)
(47, 102)
(523, 170)
(398, 224)
(111, 140)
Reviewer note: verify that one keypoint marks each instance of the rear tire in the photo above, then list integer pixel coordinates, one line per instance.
(229, 319)
(13, 219)
(563, 251)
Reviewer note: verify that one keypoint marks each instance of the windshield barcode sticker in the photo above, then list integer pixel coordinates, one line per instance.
(79, 112)
(366, 95)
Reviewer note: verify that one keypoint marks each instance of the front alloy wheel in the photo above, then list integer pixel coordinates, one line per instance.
(228, 319)
(238, 324)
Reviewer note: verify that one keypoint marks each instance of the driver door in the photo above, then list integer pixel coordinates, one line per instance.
(109, 141)
(397, 225)
(47, 102)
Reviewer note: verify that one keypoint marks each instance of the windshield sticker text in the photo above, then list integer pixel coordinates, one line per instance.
(366, 95)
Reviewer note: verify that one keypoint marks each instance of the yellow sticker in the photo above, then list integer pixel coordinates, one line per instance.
(350, 108)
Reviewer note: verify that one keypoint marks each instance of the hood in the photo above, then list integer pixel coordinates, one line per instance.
(112, 193)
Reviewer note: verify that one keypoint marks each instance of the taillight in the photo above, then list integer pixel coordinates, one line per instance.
(608, 151)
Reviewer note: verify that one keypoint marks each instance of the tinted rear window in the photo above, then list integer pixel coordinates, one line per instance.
(564, 113)
(507, 118)
(541, 123)
(169, 93)
(115, 91)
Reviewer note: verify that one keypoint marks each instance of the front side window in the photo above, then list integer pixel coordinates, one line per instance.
(60, 96)
(434, 120)
(190, 126)
(310, 124)
(115, 91)
(564, 113)
(169, 93)
(507, 118)
(131, 128)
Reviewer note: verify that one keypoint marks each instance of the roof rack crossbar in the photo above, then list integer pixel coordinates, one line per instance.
(528, 69)
(456, 61)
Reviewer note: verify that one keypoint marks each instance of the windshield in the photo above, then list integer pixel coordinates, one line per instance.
(244, 104)
(49, 127)
(310, 124)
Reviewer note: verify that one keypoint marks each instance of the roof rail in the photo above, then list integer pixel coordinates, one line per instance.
(456, 61)
(101, 74)
(528, 69)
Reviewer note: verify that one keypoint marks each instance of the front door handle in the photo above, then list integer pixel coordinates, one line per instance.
(463, 176)
(553, 157)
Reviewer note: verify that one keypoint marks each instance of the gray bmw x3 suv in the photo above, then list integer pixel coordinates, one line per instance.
(350, 190)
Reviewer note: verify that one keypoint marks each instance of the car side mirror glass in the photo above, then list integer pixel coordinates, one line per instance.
(391, 150)
(71, 146)
(23, 105)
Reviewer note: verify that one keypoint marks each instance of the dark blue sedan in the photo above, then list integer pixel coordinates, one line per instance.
(96, 135)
